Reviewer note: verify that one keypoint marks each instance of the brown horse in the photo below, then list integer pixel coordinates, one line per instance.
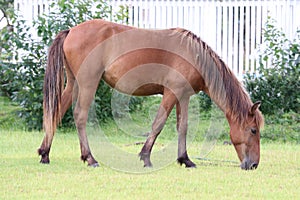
(173, 62)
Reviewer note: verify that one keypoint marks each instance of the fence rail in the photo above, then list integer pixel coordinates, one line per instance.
(233, 28)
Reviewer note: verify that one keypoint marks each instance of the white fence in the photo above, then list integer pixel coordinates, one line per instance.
(233, 28)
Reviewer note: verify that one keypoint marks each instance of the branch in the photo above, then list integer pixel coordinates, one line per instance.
(5, 16)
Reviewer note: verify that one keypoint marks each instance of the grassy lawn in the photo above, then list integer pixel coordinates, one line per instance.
(22, 177)
(121, 175)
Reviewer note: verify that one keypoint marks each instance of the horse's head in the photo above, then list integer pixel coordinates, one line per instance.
(246, 138)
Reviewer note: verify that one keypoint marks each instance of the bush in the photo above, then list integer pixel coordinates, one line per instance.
(23, 59)
(205, 102)
(22, 68)
(284, 128)
(277, 83)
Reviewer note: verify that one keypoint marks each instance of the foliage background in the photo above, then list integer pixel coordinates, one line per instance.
(23, 59)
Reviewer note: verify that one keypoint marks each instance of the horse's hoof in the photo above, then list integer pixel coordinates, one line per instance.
(44, 156)
(191, 166)
(148, 165)
(185, 160)
(47, 162)
(94, 165)
(146, 158)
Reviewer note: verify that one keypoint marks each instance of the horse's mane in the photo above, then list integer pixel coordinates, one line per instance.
(223, 86)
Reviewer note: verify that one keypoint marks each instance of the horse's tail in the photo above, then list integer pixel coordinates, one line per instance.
(54, 83)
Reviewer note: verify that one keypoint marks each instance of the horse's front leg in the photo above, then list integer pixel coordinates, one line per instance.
(182, 125)
(167, 104)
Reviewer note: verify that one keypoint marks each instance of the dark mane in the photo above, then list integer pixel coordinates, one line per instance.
(224, 88)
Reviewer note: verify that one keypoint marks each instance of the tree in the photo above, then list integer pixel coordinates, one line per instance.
(6, 16)
(7, 11)
(278, 84)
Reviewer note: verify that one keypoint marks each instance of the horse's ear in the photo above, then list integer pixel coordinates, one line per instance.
(254, 107)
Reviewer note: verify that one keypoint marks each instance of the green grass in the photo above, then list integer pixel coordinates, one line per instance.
(121, 175)
(22, 177)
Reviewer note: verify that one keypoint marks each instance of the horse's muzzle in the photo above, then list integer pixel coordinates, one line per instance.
(246, 165)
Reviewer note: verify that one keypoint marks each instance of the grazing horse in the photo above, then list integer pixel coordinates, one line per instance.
(172, 62)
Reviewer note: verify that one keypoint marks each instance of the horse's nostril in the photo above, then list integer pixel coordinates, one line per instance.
(254, 166)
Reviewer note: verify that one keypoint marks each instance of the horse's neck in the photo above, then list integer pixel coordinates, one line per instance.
(225, 89)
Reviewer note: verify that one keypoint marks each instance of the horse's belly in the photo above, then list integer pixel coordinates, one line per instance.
(137, 81)
(149, 71)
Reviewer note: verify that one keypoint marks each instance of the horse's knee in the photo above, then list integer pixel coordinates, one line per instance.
(157, 127)
(80, 117)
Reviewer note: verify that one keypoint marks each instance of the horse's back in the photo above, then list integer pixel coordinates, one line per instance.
(83, 38)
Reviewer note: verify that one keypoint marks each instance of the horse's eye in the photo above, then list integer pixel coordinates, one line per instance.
(253, 131)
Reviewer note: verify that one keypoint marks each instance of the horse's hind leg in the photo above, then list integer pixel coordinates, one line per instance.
(44, 149)
(182, 125)
(167, 104)
(85, 98)
(66, 102)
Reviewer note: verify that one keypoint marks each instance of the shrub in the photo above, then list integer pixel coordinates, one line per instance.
(277, 83)
(205, 102)
(284, 128)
